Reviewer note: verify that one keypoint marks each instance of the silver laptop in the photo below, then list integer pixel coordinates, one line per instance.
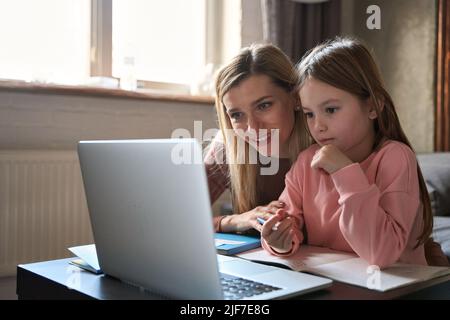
(152, 223)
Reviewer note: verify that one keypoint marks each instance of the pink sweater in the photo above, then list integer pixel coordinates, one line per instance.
(371, 208)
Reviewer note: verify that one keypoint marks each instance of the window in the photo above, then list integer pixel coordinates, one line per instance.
(164, 39)
(163, 44)
(45, 40)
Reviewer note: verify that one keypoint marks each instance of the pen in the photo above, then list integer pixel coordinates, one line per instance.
(262, 221)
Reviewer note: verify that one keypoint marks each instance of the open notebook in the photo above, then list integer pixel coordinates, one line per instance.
(348, 268)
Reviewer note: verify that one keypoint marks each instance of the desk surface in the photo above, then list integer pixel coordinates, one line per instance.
(57, 279)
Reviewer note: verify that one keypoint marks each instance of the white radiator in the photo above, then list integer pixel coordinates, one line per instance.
(42, 207)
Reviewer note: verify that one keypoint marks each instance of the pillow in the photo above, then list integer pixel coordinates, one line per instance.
(436, 172)
(441, 233)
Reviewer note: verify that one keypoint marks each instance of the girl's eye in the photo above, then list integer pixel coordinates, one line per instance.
(331, 110)
(308, 114)
(264, 105)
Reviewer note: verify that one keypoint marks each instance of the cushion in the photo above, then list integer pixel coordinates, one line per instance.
(441, 233)
(436, 172)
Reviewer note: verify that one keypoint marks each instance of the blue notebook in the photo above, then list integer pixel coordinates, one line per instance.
(230, 243)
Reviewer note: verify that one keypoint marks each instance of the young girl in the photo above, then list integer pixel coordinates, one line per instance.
(359, 188)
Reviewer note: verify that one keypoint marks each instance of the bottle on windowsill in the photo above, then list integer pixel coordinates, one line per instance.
(128, 79)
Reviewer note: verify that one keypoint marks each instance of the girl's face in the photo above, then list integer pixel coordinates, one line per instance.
(256, 104)
(339, 118)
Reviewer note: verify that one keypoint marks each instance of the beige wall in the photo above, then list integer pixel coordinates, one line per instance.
(405, 51)
(57, 122)
(32, 121)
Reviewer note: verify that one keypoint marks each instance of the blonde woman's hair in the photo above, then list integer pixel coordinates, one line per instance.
(345, 63)
(262, 59)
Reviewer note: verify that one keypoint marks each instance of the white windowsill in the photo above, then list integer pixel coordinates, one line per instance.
(140, 94)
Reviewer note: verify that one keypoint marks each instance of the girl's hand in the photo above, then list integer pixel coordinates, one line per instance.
(247, 220)
(330, 159)
(277, 232)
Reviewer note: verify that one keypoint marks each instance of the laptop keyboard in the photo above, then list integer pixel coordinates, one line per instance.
(235, 288)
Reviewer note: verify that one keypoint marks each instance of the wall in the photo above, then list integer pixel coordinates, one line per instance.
(35, 121)
(405, 49)
(57, 122)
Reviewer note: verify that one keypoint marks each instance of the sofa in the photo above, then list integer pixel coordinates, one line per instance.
(436, 172)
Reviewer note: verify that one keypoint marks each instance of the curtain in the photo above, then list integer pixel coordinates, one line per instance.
(297, 27)
(442, 114)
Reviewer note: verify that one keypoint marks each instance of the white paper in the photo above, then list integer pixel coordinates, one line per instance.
(88, 253)
(221, 242)
(306, 256)
(349, 268)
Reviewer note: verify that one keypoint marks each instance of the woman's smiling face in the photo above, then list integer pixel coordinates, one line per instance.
(257, 105)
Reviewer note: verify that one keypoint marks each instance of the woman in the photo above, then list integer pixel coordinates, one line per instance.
(257, 90)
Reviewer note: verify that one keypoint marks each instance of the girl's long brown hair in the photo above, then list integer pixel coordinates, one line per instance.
(347, 64)
(257, 59)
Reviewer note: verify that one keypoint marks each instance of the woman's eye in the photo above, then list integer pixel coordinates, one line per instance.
(264, 105)
(331, 110)
(236, 115)
(308, 114)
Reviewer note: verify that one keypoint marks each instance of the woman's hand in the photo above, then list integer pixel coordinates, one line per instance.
(277, 232)
(330, 159)
(248, 220)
